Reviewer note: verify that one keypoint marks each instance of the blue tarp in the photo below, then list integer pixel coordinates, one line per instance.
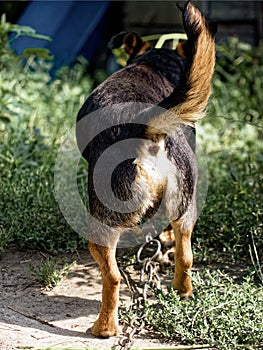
(74, 26)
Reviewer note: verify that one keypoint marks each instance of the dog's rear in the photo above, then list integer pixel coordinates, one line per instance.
(164, 154)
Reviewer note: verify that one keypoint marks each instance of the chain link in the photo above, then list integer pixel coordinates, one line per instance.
(148, 277)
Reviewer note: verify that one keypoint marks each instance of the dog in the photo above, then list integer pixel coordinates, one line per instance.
(163, 170)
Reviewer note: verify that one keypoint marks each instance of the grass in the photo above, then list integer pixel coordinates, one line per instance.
(221, 314)
(36, 113)
(50, 273)
(232, 140)
(29, 213)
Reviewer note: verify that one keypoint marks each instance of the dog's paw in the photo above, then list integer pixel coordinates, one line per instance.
(183, 287)
(104, 330)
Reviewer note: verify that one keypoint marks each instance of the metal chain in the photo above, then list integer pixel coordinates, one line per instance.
(148, 277)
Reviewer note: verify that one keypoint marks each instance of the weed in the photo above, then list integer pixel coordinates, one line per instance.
(221, 313)
(35, 114)
(49, 274)
(231, 139)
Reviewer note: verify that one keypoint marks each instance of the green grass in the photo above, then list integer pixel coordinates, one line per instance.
(36, 112)
(30, 215)
(50, 273)
(221, 314)
(232, 139)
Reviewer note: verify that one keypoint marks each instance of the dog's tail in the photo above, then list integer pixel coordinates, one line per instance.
(188, 102)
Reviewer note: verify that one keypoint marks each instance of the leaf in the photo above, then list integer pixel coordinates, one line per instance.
(3, 19)
(21, 30)
(38, 52)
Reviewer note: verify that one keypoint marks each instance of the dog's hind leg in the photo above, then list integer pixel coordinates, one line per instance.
(107, 323)
(183, 259)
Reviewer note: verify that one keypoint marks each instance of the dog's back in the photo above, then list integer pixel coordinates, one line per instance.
(149, 78)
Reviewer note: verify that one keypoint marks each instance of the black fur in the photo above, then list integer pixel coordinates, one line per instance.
(149, 78)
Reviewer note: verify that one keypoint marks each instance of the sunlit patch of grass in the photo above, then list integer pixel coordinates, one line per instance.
(221, 314)
(49, 273)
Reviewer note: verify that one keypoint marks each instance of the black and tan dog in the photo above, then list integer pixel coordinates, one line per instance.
(181, 86)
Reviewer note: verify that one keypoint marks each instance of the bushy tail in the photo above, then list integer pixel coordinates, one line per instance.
(188, 102)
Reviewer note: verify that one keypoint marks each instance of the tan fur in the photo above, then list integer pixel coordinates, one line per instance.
(134, 46)
(183, 260)
(107, 323)
(180, 49)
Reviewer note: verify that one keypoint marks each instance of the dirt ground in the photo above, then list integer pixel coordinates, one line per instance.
(32, 317)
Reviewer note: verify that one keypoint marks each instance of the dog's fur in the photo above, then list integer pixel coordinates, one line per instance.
(182, 86)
